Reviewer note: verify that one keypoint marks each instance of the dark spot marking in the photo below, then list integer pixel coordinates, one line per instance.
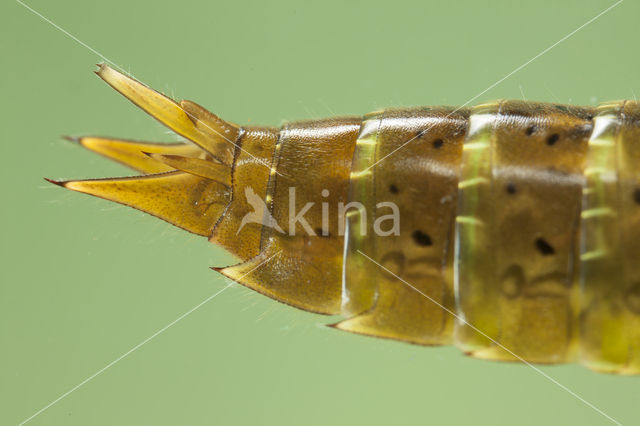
(393, 189)
(438, 143)
(511, 188)
(421, 238)
(544, 247)
(420, 134)
(531, 130)
(551, 140)
(636, 195)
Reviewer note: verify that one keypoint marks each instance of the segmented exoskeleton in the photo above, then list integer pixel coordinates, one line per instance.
(510, 229)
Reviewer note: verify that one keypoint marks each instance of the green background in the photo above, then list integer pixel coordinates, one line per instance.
(83, 281)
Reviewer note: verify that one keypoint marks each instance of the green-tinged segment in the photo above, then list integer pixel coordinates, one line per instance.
(518, 222)
(610, 247)
(405, 261)
(359, 276)
(475, 300)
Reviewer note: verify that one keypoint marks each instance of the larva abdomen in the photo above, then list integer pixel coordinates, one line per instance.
(510, 229)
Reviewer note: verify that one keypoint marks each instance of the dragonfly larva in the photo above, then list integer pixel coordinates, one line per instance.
(510, 229)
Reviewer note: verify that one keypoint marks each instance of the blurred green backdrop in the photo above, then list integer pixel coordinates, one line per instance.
(83, 281)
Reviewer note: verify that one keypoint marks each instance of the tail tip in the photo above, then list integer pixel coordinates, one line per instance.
(74, 139)
(63, 184)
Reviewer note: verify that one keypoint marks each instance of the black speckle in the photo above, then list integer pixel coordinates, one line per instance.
(393, 189)
(421, 238)
(552, 139)
(420, 134)
(636, 195)
(544, 247)
(511, 188)
(531, 130)
(438, 143)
